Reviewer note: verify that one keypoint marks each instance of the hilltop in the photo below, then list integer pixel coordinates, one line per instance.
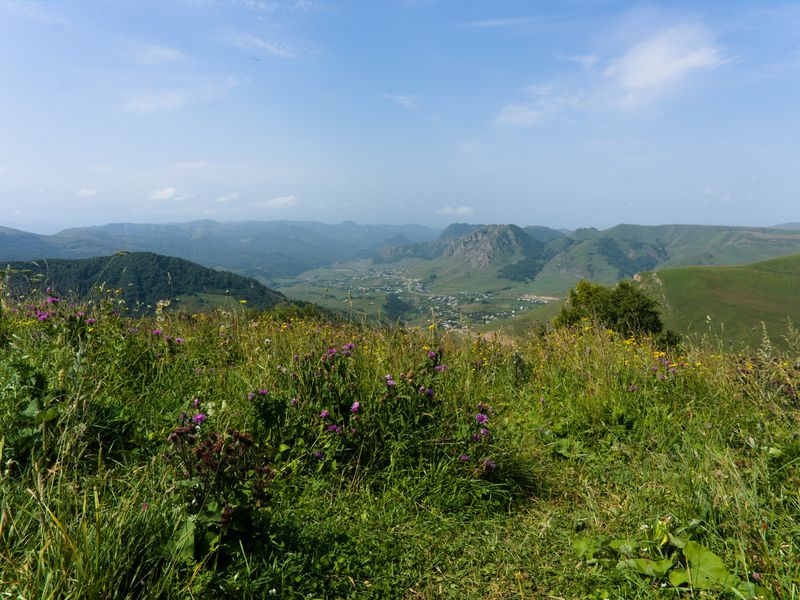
(143, 279)
(732, 301)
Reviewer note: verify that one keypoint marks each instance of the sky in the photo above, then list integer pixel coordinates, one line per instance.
(563, 113)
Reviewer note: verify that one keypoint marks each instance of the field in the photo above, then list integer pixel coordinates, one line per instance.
(739, 303)
(248, 455)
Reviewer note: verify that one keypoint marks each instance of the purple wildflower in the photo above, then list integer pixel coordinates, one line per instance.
(263, 392)
(481, 418)
(464, 457)
(52, 300)
(294, 402)
(199, 418)
(334, 428)
(156, 332)
(354, 407)
(250, 395)
(390, 381)
(324, 414)
(431, 354)
(319, 455)
(42, 316)
(196, 402)
(489, 464)
(484, 433)
(179, 340)
(440, 368)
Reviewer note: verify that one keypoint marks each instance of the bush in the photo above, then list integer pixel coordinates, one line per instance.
(625, 308)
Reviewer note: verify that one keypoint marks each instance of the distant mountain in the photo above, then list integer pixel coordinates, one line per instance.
(143, 279)
(789, 226)
(730, 302)
(552, 261)
(621, 251)
(264, 249)
(544, 234)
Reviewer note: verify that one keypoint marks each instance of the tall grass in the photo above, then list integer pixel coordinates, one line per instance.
(242, 455)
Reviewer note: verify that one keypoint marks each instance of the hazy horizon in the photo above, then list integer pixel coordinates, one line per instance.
(583, 113)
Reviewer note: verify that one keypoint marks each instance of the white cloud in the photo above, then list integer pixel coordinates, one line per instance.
(196, 165)
(461, 211)
(519, 114)
(495, 23)
(151, 54)
(165, 195)
(644, 73)
(254, 43)
(279, 202)
(659, 63)
(587, 61)
(228, 198)
(407, 101)
(151, 102)
(87, 193)
(148, 102)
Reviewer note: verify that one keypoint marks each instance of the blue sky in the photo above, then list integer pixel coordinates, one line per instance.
(565, 113)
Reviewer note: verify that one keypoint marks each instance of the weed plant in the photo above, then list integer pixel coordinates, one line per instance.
(249, 455)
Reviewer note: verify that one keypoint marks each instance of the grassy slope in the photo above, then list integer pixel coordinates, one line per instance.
(596, 439)
(737, 299)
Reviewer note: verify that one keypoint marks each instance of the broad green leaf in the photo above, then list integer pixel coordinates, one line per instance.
(705, 570)
(625, 547)
(652, 568)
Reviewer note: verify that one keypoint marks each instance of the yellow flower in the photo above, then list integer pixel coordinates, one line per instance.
(242, 301)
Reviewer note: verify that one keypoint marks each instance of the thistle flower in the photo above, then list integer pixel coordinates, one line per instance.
(481, 418)
(324, 414)
(354, 407)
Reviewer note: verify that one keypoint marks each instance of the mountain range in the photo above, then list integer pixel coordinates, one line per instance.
(141, 279)
(545, 260)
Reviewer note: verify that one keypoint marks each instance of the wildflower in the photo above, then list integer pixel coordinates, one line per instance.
(179, 340)
(156, 332)
(263, 392)
(42, 316)
(294, 402)
(464, 457)
(319, 455)
(196, 402)
(484, 433)
(324, 414)
(431, 354)
(250, 395)
(481, 418)
(389, 381)
(349, 347)
(199, 418)
(440, 368)
(489, 464)
(52, 300)
(334, 428)
(354, 407)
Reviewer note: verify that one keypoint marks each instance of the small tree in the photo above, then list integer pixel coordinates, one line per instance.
(625, 308)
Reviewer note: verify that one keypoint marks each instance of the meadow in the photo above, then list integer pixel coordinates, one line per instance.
(251, 455)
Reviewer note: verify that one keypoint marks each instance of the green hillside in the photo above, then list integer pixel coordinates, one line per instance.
(733, 300)
(622, 251)
(143, 279)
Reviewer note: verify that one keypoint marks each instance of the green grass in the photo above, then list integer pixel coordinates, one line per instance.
(603, 458)
(735, 300)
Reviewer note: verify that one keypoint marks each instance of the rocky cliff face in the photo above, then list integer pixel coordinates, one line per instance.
(491, 243)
